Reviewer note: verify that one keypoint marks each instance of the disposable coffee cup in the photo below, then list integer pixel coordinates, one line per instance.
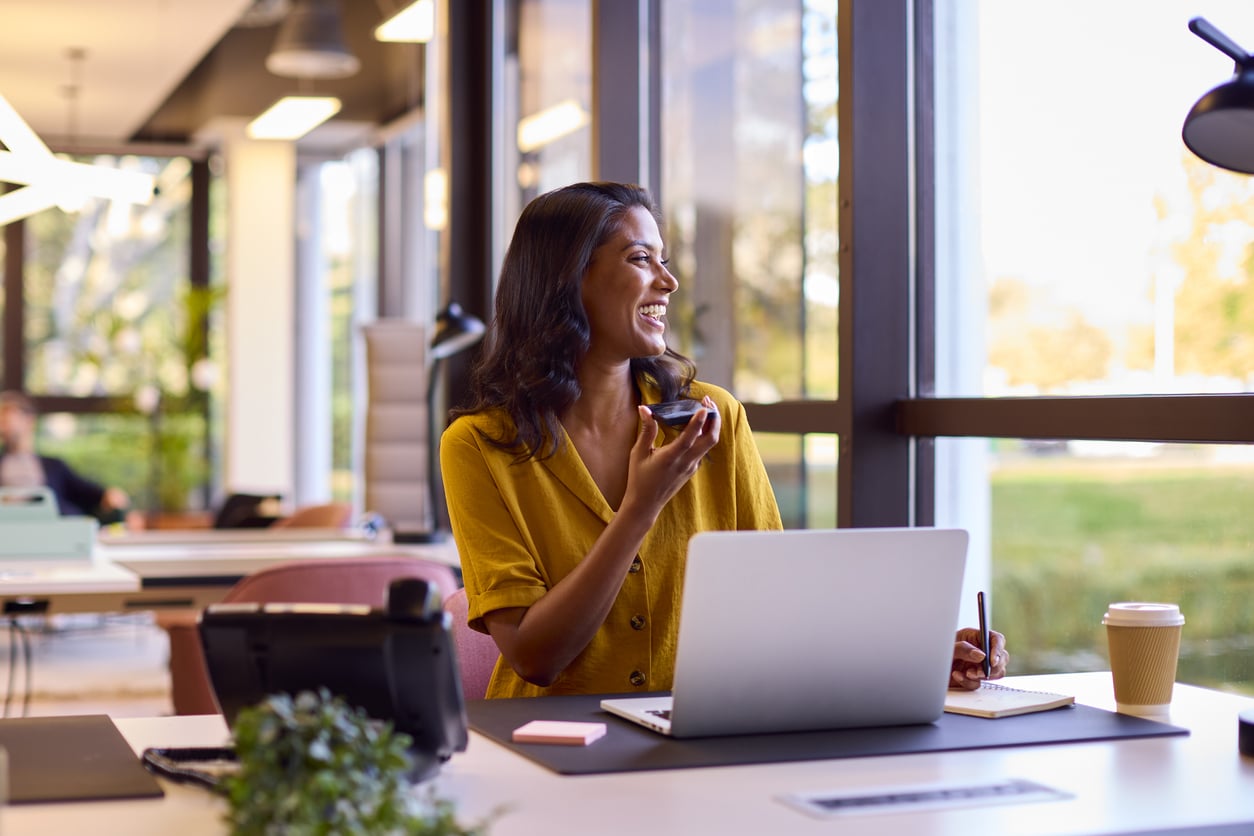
(1144, 642)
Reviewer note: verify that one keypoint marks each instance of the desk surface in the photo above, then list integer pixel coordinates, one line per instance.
(209, 558)
(190, 574)
(1131, 786)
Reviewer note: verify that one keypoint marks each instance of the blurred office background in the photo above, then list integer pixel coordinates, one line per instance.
(909, 235)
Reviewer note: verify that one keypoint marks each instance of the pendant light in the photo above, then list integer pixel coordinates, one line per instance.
(310, 43)
(1220, 126)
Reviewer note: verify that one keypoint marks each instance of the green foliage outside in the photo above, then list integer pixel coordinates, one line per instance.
(158, 460)
(1068, 538)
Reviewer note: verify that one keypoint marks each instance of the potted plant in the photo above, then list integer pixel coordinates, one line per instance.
(311, 764)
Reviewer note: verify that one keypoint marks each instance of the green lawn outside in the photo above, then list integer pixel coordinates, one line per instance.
(1070, 536)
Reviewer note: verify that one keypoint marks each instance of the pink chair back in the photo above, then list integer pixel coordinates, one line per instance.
(476, 652)
(350, 580)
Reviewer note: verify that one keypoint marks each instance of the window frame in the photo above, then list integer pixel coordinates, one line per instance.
(880, 112)
(885, 414)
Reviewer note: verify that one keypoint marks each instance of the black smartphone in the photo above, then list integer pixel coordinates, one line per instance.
(675, 413)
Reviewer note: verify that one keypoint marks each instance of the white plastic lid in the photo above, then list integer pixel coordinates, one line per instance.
(1143, 614)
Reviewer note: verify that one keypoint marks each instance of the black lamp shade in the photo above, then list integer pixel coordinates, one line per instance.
(1220, 127)
(455, 330)
(310, 43)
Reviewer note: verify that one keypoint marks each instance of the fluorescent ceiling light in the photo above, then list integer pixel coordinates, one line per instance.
(539, 129)
(69, 176)
(413, 24)
(26, 202)
(17, 135)
(47, 181)
(291, 117)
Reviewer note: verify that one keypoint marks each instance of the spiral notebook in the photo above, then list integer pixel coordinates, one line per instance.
(993, 700)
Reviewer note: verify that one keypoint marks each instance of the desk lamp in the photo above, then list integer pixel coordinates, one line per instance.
(1220, 126)
(455, 331)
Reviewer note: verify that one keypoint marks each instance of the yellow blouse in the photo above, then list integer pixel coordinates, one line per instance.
(521, 527)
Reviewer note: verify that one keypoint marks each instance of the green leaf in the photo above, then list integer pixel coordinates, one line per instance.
(312, 764)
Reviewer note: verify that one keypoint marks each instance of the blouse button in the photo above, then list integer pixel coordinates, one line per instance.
(635, 567)
(637, 678)
(637, 622)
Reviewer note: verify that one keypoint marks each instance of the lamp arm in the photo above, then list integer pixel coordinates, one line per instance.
(1206, 30)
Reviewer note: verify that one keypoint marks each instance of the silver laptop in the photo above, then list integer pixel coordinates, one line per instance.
(810, 629)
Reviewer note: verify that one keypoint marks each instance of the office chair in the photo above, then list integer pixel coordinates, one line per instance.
(329, 515)
(476, 652)
(354, 580)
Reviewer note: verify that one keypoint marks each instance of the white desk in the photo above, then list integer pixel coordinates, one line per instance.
(1130, 786)
(163, 574)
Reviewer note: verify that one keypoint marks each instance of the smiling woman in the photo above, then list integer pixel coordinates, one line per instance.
(626, 291)
(571, 506)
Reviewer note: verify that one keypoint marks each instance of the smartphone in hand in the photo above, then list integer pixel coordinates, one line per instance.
(675, 413)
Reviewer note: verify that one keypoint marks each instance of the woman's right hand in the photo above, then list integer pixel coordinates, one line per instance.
(655, 474)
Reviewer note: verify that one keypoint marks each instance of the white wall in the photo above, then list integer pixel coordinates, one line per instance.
(260, 306)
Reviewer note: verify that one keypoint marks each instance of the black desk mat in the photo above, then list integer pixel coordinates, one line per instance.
(628, 747)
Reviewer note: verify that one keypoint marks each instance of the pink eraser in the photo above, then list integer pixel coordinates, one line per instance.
(563, 733)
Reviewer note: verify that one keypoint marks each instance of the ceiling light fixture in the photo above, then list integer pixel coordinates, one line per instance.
(46, 180)
(413, 24)
(263, 13)
(550, 124)
(291, 117)
(310, 43)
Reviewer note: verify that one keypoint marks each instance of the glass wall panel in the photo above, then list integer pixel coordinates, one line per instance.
(1081, 249)
(733, 183)
(1085, 248)
(548, 99)
(749, 192)
(1076, 525)
(110, 312)
(108, 301)
(802, 469)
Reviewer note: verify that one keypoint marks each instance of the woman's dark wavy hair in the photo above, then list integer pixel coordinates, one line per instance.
(539, 330)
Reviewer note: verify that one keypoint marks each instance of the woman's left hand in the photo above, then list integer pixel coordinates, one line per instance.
(968, 667)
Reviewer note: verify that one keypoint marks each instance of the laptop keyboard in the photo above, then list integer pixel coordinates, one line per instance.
(664, 713)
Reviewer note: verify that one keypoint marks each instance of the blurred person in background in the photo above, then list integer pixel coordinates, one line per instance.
(22, 467)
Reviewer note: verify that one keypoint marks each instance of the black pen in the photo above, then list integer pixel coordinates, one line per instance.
(988, 657)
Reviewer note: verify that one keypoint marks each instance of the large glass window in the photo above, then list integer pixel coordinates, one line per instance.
(1077, 525)
(749, 175)
(106, 291)
(548, 94)
(1083, 250)
(1105, 257)
(116, 334)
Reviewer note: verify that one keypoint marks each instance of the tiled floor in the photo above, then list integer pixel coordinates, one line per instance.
(88, 664)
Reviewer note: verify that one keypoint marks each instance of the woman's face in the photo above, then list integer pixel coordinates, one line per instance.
(626, 290)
